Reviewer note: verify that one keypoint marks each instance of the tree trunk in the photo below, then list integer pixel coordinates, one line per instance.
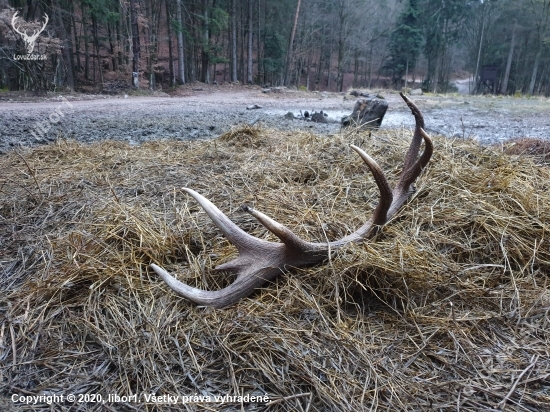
(153, 19)
(320, 64)
(355, 68)
(258, 43)
(406, 75)
(77, 46)
(242, 57)
(86, 46)
(205, 67)
(96, 46)
(370, 65)
(250, 31)
(111, 47)
(291, 43)
(194, 49)
(535, 69)
(135, 44)
(122, 56)
(504, 86)
(436, 71)
(477, 82)
(367, 114)
(181, 49)
(233, 41)
(309, 59)
(341, 44)
(67, 47)
(329, 63)
(170, 55)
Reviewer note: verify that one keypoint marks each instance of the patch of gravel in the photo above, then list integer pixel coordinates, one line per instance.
(199, 114)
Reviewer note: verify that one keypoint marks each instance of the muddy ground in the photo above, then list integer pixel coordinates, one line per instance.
(200, 111)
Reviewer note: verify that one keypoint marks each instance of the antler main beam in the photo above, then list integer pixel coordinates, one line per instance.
(260, 261)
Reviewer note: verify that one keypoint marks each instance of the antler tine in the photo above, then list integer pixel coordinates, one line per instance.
(231, 231)
(380, 214)
(281, 231)
(386, 197)
(409, 175)
(414, 148)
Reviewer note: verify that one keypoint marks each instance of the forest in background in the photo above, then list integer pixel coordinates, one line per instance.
(115, 45)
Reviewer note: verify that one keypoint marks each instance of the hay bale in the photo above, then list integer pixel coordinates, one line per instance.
(447, 305)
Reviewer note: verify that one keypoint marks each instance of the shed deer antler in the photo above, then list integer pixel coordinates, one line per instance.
(260, 261)
(29, 40)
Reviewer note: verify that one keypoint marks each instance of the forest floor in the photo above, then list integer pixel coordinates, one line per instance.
(201, 111)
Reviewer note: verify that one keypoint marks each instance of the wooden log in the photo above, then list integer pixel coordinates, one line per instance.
(367, 113)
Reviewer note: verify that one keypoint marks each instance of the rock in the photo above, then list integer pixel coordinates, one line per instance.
(290, 116)
(319, 117)
(253, 107)
(416, 92)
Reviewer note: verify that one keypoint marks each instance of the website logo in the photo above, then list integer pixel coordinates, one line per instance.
(29, 40)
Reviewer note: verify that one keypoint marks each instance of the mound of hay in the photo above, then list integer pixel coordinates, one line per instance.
(447, 307)
(536, 148)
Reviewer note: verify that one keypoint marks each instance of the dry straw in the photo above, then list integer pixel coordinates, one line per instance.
(445, 309)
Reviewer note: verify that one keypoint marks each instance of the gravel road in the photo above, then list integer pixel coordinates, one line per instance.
(197, 112)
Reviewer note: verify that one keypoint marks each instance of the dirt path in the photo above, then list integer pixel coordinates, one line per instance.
(207, 112)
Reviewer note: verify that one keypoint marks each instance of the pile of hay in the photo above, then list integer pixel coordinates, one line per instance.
(446, 308)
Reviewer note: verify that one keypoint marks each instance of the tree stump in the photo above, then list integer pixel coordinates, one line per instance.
(367, 113)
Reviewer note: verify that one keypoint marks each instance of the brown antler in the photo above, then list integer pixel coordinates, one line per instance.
(260, 261)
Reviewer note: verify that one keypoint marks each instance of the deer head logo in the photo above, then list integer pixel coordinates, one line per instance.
(29, 40)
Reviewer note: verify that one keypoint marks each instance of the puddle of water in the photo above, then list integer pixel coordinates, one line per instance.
(333, 115)
(391, 120)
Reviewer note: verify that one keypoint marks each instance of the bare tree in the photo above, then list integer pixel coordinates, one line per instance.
(181, 46)
(233, 41)
(135, 44)
(291, 43)
(249, 54)
(504, 85)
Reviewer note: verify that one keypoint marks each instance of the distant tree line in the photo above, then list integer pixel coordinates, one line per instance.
(109, 45)
(509, 37)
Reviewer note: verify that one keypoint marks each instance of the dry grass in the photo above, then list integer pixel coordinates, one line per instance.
(537, 148)
(447, 308)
